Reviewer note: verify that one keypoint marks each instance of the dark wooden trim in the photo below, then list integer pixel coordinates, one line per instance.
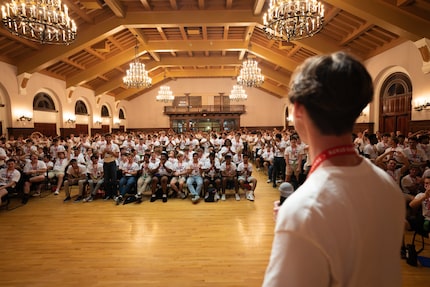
(360, 127)
(416, 126)
(20, 132)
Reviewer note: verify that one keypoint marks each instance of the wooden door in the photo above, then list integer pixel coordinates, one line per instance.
(395, 104)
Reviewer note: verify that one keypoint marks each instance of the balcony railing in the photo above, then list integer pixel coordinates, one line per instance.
(206, 109)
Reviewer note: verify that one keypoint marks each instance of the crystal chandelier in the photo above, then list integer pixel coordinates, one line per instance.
(136, 76)
(238, 93)
(44, 21)
(165, 95)
(250, 74)
(289, 20)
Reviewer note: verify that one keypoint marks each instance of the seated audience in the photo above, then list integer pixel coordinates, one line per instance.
(76, 175)
(9, 177)
(229, 176)
(245, 179)
(34, 171)
(95, 177)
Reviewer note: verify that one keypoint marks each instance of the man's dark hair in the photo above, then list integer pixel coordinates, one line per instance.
(334, 89)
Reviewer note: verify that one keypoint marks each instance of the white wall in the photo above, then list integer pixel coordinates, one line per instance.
(262, 109)
(403, 58)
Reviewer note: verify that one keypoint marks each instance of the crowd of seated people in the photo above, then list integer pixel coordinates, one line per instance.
(166, 164)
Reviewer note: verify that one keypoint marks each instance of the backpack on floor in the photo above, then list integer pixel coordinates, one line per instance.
(411, 255)
(211, 195)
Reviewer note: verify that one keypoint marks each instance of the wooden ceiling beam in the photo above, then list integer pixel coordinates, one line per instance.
(172, 62)
(357, 33)
(91, 34)
(258, 6)
(80, 12)
(387, 16)
(117, 7)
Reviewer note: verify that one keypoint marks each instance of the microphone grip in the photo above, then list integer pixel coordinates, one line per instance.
(282, 199)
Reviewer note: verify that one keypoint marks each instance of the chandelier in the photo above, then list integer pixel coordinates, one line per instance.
(250, 74)
(136, 76)
(289, 20)
(238, 93)
(44, 21)
(165, 95)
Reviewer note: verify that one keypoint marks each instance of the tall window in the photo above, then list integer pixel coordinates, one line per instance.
(43, 102)
(121, 115)
(105, 112)
(81, 108)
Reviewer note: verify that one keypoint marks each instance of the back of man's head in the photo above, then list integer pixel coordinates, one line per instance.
(334, 89)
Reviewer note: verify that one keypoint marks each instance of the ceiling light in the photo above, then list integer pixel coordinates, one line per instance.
(289, 20)
(165, 95)
(250, 74)
(136, 76)
(238, 93)
(44, 21)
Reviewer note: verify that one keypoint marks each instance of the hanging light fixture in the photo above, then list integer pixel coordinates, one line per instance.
(165, 95)
(250, 74)
(289, 20)
(44, 21)
(238, 93)
(136, 76)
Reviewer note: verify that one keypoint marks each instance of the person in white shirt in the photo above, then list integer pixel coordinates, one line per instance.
(180, 173)
(212, 174)
(76, 175)
(128, 178)
(229, 177)
(195, 170)
(423, 200)
(245, 179)
(161, 173)
(35, 173)
(95, 177)
(109, 153)
(9, 177)
(326, 231)
(59, 169)
(293, 159)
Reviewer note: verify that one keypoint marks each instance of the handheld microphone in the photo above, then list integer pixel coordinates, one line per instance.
(285, 190)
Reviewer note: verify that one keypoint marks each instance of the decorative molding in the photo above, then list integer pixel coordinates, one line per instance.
(423, 46)
(23, 81)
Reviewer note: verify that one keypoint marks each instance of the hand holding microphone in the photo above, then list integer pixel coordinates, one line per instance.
(285, 190)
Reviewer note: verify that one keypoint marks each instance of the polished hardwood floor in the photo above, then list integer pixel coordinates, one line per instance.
(51, 243)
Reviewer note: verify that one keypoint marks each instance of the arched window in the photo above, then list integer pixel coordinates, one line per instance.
(121, 115)
(43, 102)
(105, 112)
(81, 108)
(397, 84)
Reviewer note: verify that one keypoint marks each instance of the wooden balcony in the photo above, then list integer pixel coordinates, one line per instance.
(205, 110)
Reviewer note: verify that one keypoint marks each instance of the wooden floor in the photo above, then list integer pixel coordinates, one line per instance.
(50, 243)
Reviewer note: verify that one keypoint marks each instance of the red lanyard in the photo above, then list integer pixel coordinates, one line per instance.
(332, 152)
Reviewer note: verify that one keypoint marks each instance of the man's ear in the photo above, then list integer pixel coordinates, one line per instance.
(298, 111)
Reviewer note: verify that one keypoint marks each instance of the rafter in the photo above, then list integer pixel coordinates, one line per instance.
(386, 16)
(92, 34)
(116, 7)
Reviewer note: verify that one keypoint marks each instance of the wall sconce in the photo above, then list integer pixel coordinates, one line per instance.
(422, 104)
(24, 119)
(70, 121)
(98, 122)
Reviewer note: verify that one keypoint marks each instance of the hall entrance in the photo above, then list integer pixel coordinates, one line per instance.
(395, 107)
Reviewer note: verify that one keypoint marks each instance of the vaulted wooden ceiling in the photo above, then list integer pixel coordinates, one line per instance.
(205, 38)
